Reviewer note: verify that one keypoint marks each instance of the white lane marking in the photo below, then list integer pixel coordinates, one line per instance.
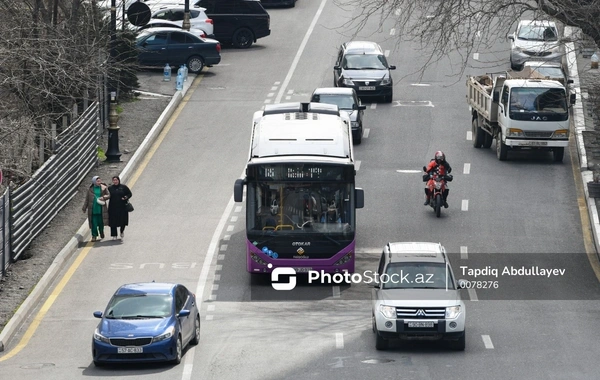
(210, 308)
(397, 11)
(357, 164)
(217, 277)
(392, 31)
(463, 253)
(220, 257)
(408, 171)
(467, 168)
(238, 209)
(472, 294)
(290, 92)
(366, 132)
(373, 106)
(478, 34)
(223, 247)
(469, 135)
(218, 268)
(288, 77)
(209, 317)
(274, 88)
(368, 250)
(230, 228)
(267, 101)
(465, 205)
(420, 84)
(386, 53)
(234, 219)
(277, 83)
(187, 368)
(270, 94)
(487, 341)
(212, 297)
(336, 292)
(288, 98)
(413, 103)
(215, 287)
(227, 237)
(476, 56)
(339, 340)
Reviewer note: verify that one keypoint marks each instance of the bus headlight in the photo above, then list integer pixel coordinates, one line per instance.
(561, 134)
(257, 259)
(344, 259)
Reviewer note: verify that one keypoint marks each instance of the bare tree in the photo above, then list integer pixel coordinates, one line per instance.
(466, 26)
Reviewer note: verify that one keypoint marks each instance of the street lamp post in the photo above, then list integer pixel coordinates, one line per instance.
(186, 15)
(113, 154)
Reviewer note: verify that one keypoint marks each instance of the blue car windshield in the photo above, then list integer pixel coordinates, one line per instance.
(131, 306)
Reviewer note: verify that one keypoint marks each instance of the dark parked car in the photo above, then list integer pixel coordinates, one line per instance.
(363, 66)
(346, 100)
(146, 322)
(159, 46)
(278, 3)
(240, 22)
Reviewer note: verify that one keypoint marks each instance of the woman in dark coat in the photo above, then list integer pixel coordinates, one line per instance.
(97, 213)
(117, 212)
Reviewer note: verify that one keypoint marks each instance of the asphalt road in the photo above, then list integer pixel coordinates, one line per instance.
(186, 228)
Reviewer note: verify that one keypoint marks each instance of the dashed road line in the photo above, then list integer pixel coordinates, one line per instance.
(392, 31)
(223, 247)
(238, 209)
(230, 228)
(467, 168)
(234, 219)
(472, 294)
(357, 164)
(487, 341)
(366, 132)
(469, 136)
(463, 253)
(339, 340)
(373, 106)
(465, 205)
(336, 292)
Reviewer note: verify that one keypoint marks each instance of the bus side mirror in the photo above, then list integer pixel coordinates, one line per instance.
(359, 195)
(572, 98)
(238, 190)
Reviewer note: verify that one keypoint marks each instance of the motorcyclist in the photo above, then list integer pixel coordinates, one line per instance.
(442, 167)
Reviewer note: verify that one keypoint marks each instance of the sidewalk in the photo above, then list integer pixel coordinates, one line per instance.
(587, 138)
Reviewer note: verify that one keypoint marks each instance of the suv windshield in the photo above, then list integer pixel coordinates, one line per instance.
(417, 276)
(537, 33)
(364, 62)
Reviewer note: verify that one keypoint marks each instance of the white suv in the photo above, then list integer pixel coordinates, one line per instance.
(416, 296)
(175, 13)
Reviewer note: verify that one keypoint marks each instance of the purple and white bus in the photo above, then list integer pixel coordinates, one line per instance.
(300, 193)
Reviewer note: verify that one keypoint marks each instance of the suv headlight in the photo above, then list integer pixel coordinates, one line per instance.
(452, 312)
(167, 335)
(386, 81)
(388, 311)
(348, 82)
(101, 338)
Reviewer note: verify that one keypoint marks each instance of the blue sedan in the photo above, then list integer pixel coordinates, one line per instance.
(159, 46)
(146, 322)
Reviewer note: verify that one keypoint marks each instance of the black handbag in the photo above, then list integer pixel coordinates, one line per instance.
(128, 206)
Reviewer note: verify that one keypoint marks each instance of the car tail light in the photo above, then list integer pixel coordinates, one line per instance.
(218, 48)
(202, 35)
(209, 21)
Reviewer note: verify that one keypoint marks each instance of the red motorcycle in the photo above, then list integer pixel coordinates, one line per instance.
(436, 195)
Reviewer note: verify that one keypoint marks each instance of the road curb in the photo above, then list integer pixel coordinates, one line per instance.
(83, 233)
(579, 126)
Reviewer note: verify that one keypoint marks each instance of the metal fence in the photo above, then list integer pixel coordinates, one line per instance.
(4, 231)
(39, 200)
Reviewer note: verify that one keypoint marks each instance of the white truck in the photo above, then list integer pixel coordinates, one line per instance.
(520, 113)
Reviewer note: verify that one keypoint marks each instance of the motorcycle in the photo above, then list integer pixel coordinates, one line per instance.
(436, 197)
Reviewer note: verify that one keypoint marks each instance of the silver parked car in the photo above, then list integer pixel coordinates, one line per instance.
(534, 40)
(346, 100)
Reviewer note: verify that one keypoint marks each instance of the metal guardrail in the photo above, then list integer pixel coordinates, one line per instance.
(4, 231)
(35, 203)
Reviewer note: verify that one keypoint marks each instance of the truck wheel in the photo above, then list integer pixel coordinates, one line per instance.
(558, 153)
(501, 148)
(477, 133)
(487, 140)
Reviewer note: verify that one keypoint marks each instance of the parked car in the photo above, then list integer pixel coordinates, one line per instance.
(175, 13)
(417, 296)
(278, 3)
(548, 70)
(171, 24)
(239, 22)
(159, 46)
(362, 65)
(346, 100)
(534, 40)
(146, 322)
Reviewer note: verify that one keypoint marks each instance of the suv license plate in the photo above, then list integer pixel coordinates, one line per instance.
(302, 270)
(130, 350)
(421, 324)
(366, 88)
